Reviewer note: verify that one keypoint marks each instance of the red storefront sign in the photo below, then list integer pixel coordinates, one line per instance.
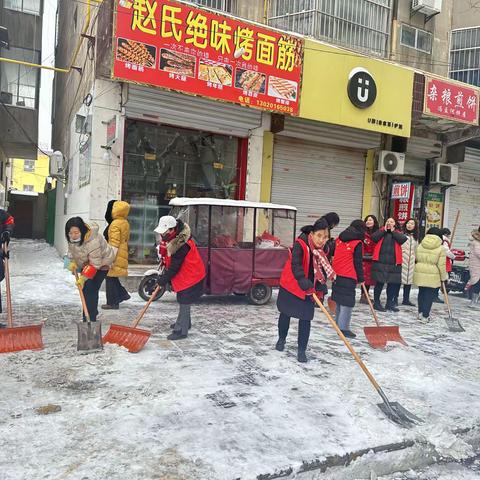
(180, 47)
(402, 207)
(450, 100)
(401, 191)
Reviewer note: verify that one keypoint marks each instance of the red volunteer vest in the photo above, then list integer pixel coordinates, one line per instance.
(343, 258)
(191, 271)
(287, 280)
(449, 260)
(398, 252)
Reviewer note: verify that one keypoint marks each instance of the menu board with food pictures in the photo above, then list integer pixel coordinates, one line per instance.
(434, 210)
(177, 46)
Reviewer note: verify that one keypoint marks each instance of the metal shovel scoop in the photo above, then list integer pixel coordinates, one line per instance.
(452, 323)
(393, 410)
(89, 333)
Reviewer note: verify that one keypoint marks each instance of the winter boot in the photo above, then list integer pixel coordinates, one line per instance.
(280, 345)
(348, 333)
(408, 303)
(302, 357)
(390, 306)
(379, 307)
(438, 300)
(110, 307)
(474, 302)
(176, 336)
(172, 325)
(422, 319)
(125, 297)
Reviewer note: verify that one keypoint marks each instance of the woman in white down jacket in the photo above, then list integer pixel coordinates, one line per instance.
(409, 249)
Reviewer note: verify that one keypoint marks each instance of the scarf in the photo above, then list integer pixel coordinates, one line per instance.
(320, 263)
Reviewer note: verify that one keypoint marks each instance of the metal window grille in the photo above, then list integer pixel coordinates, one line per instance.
(359, 24)
(228, 6)
(465, 55)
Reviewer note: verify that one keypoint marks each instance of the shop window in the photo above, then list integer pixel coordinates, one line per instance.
(25, 6)
(18, 83)
(163, 162)
(29, 165)
(415, 38)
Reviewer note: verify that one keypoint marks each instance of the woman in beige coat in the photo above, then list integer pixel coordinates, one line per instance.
(91, 256)
(430, 271)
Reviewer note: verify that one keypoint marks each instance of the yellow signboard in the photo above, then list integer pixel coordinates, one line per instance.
(345, 88)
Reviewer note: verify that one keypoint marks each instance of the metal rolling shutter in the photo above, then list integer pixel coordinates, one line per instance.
(466, 197)
(318, 178)
(188, 111)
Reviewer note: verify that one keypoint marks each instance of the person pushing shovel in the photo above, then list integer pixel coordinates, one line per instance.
(7, 225)
(184, 269)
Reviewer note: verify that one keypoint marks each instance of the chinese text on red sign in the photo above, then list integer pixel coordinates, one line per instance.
(450, 100)
(172, 45)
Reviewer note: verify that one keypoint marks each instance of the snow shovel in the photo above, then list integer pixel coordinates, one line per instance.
(132, 338)
(89, 333)
(452, 323)
(379, 336)
(393, 410)
(15, 339)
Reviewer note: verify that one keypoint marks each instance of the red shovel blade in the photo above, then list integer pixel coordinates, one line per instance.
(16, 339)
(133, 339)
(379, 336)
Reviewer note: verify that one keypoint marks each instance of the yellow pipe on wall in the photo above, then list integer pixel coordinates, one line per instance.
(267, 168)
(368, 182)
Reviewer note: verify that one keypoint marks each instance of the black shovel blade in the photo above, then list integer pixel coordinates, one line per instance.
(399, 415)
(89, 336)
(454, 325)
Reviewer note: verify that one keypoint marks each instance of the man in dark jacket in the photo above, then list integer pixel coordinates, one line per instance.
(348, 266)
(6, 229)
(184, 270)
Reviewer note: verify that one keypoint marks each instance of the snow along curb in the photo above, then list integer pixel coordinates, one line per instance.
(381, 460)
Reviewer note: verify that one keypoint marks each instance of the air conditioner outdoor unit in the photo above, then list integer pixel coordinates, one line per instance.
(57, 165)
(427, 7)
(444, 174)
(390, 163)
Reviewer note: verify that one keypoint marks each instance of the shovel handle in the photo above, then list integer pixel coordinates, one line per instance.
(145, 308)
(452, 236)
(447, 301)
(7, 286)
(370, 304)
(349, 346)
(82, 298)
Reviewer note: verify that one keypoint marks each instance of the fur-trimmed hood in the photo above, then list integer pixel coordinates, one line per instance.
(182, 237)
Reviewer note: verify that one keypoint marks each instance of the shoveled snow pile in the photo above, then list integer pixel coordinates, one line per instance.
(222, 404)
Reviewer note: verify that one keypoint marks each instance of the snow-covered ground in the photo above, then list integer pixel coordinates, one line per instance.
(223, 404)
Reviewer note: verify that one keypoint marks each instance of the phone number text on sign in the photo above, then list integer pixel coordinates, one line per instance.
(176, 46)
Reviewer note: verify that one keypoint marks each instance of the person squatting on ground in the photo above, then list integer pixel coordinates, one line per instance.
(387, 264)
(474, 266)
(430, 271)
(91, 256)
(305, 273)
(117, 235)
(409, 251)
(368, 248)
(184, 269)
(7, 225)
(348, 267)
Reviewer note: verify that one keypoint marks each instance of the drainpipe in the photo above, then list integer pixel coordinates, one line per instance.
(265, 11)
(393, 36)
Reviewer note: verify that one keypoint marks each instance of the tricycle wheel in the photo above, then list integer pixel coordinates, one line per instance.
(147, 287)
(260, 294)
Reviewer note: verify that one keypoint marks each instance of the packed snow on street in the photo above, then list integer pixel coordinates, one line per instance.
(223, 404)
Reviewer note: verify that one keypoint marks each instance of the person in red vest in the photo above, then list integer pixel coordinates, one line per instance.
(184, 269)
(368, 247)
(387, 264)
(348, 266)
(305, 273)
(7, 224)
